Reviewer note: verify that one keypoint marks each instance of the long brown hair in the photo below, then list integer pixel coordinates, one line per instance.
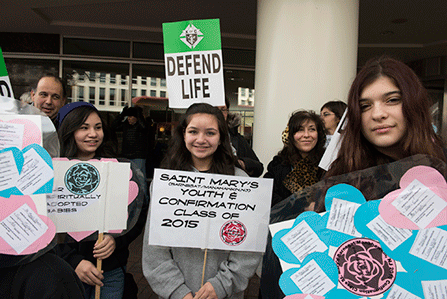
(356, 153)
(72, 122)
(178, 156)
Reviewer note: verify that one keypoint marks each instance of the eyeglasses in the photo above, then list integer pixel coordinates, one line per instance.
(326, 114)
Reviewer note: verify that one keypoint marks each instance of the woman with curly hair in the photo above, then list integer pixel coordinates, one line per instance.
(296, 165)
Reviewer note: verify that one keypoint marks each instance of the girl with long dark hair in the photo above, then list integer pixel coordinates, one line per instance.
(200, 143)
(83, 135)
(388, 118)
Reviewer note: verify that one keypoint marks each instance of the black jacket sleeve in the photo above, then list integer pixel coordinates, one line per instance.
(278, 171)
(253, 166)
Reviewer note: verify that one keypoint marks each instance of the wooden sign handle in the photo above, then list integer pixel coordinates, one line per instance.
(204, 265)
(99, 266)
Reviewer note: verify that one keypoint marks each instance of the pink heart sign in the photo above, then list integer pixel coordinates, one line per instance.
(31, 132)
(22, 230)
(429, 178)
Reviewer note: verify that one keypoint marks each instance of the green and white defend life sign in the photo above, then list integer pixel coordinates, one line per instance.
(193, 63)
(5, 84)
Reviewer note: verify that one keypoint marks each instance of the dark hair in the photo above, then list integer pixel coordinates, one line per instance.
(178, 156)
(356, 153)
(336, 107)
(72, 122)
(290, 153)
(57, 79)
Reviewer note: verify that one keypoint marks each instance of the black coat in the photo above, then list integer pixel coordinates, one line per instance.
(277, 170)
(244, 152)
(47, 277)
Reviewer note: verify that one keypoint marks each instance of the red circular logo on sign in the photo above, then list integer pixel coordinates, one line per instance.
(233, 232)
(363, 268)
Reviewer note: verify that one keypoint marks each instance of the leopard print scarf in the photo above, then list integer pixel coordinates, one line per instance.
(304, 174)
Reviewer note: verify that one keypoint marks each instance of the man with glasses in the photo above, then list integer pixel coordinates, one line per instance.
(49, 95)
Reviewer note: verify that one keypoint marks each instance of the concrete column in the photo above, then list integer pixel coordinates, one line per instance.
(306, 55)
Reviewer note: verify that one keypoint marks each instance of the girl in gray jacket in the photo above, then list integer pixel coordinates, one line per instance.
(200, 143)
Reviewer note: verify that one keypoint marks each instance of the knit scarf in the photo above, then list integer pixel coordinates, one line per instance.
(303, 174)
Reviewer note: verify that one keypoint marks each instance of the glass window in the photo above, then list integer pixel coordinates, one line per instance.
(153, 93)
(92, 77)
(148, 50)
(153, 81)
(102, 96)
(30, 42)
(106, 73)
(112, 78)
(91, 95)
(163, 94)
(123, 80)
(112, 97)
(134, 93)
(81, 93)
(135, 80)
(93, 47)
(144, 80)
(24, 73)
(239, 57)
(123, 97)
(163, 82)
(143, 92)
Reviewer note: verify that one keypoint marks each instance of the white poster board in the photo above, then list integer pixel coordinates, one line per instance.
(89, 196)
(199, 210)
(331, 152)
(194, 64)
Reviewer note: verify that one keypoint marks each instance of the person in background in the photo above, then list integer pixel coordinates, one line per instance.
(49, 95)
(246, 156)
(296, 165)
(200, 143)
(26, 98)
(84, 136)
(388, 119)
(135, 145)
(330, 114)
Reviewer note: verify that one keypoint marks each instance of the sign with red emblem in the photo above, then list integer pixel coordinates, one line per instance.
(200, 210)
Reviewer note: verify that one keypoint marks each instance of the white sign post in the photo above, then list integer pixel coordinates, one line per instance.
(198, 210)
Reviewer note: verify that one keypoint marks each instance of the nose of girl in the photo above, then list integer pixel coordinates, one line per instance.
(92, 132)
(201, 138)
(378, 112)
(306, 133)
